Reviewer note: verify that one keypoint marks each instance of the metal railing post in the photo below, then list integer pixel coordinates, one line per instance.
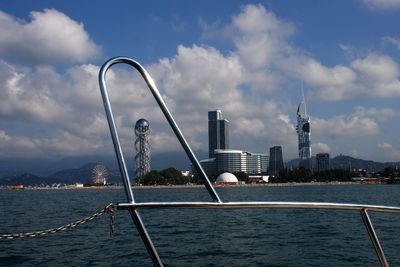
(374, 238)
(122, 167)
(153, 88)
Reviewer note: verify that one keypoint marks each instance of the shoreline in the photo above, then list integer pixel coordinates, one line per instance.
(190, 186)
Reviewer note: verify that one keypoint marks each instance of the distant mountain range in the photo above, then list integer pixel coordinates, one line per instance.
(82, 174)
(46, 167)
(347, 162)
(72, 171)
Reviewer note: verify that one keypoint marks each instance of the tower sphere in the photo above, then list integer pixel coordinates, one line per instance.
(142, 123)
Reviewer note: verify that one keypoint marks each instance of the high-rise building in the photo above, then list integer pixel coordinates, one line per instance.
(218, 132)
(275, 160)
(303, 133)
(142, 146)
(323, 161)
(209, 166)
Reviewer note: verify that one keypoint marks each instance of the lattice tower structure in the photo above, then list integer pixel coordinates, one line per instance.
(142, 146)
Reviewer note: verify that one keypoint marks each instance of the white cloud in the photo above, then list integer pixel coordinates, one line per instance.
(245, 83)
(50, 37)
(269, 61)
(382, 4)
(392, 40)
(379, 75)
(315, 74)
(320, 148)
(377, 68)
(259, 36)
(195, 80)
(360, 123)
(250, 127)
(389, 150)
(374, 75)
(378, 114)
(385, 146)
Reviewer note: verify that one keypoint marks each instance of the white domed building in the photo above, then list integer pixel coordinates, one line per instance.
(226, 178)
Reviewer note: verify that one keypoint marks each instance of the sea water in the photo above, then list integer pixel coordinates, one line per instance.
(200, 237)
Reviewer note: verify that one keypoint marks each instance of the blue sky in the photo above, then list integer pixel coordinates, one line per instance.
(247, 58)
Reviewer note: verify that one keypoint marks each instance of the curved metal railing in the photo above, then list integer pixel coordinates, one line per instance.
(133, 207)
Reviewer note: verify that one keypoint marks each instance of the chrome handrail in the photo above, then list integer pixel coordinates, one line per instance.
(259, 204)
(133, 207)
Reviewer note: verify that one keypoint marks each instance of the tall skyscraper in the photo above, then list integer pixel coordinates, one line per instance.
(218, 132)
(275, 160)
(303, 133)
(142, 146)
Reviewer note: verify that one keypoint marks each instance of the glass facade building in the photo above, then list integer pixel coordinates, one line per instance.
(275, 160)
(304, 134)
(218, 132)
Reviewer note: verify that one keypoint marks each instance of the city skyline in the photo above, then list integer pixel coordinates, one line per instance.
(246, 58)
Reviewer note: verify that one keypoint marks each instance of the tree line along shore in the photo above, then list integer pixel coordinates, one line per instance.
(172, 176)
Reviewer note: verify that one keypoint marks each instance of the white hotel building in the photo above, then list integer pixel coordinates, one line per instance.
(228, 160)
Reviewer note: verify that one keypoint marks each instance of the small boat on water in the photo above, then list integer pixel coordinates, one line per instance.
(17, 187)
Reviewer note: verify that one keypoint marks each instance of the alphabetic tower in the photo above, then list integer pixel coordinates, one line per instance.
(142, 146)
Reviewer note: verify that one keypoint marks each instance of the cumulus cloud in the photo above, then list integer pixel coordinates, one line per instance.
(49, 37)
(375, 75)
(315, 74)
(320, 148)
(363, 122)
(382, 4)
(379, 75)
(377, 68)
(270, 61)
(195, 80)
(244, 83)
(259, 36)
(378, 114)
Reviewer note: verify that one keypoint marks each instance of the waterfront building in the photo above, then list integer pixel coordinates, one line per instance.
(209, 166)
(322, 161)
(303, 133)
(142, 146)
(221, 158)
(218, 132)
(275, 160)
(228, 160)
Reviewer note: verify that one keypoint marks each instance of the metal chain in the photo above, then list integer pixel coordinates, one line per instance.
(111, 212)
(109, 209)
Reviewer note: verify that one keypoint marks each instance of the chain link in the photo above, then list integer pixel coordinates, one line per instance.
(109, 209)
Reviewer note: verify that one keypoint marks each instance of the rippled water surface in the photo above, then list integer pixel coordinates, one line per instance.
(199, 237)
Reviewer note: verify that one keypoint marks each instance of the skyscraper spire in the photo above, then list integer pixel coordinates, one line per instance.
(303, 98)
(304, 133)
(302, 108)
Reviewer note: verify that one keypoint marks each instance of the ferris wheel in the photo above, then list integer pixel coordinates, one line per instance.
(99, 175)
